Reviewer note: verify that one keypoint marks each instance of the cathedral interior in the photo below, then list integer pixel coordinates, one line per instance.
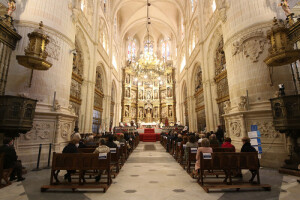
(202, 64)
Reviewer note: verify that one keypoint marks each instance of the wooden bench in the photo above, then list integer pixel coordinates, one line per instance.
(191, 158)
(4, 173)
(115, 161)
(230, 162)
(81, 162)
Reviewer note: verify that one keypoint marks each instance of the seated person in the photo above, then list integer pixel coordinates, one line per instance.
(248, 148)
(192, 143)
(81, 144)
(101, 149)
(179, 139)
(10, 159)
(71, 148)
(110, 143)
(184, 139)
(90, 141)
(213, 140)
(227, 143)
(116, 140)
(122, 139)
(205, 148)
(202, 136)
(76, 134)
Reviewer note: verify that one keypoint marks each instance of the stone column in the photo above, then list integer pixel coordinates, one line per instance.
(245, 48)
(54, 120)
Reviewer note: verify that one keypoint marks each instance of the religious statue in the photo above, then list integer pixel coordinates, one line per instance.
(243, 103)
(169, 91)
(126, 111)
(163, 95)
(169, 78)
(127, 79)
(285, 6)
(170, 111)
(149, 95)
(155, 112)
(11, 7)
(155, 94)
(141, 113)
(127, 92)
(141, 94)
(133, 94)
(99, 81)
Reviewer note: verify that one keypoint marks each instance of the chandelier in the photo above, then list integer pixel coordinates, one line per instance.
(148, 65)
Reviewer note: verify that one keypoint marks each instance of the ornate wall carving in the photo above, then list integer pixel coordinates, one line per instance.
(41, 132)
(235, 128)
(65, 130)
(267, 129)
(252, 45)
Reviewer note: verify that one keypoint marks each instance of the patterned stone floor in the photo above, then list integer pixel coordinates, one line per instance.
(151, 173)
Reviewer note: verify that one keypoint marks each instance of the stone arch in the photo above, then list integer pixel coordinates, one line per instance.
(101, 67)
(82, 42)
(220, 78)
(113, 116)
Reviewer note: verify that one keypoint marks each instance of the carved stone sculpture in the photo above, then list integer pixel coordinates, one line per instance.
(243, 103)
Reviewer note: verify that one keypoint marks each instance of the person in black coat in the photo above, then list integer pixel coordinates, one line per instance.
(110, 143)
(72, 147)
(220, 135)
(248, 148)
(10, 159)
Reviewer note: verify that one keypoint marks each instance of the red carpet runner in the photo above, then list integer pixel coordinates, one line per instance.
(149, 135)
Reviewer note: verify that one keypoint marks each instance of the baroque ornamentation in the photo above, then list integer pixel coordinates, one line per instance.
(65, 129)
(267, 129)
(39, 131)
(252, 45)
(242, 106)
(227, 107)
(235, 128)
(223, 6)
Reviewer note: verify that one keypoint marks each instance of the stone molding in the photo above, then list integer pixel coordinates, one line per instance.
(47, 29)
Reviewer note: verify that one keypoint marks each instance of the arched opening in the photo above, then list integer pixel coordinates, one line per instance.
(199, 99)
(98, 101)
(221, 81)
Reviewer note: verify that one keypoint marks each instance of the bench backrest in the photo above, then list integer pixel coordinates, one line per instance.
(86, 150)
(220, 149)
(192, 152)
(114, 155)
(230, 160)
(79, 161)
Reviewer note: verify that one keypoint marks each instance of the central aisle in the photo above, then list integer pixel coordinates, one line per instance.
(152, 174)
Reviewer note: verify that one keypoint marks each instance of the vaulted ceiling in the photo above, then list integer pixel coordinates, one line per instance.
(165, 16)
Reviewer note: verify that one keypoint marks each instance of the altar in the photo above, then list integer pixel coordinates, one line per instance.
(149, 125)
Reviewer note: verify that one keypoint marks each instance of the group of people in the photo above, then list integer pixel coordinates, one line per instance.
(206, 142)
(103, 142)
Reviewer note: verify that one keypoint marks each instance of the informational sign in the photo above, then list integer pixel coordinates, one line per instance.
(255, 140)
(207, 156)
(193, 150)
(113, 150)
(102, 156)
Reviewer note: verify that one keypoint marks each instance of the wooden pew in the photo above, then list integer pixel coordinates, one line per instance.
(114, 161)
(4, 173)
(81, 162)
(230, 162)
(191, 159)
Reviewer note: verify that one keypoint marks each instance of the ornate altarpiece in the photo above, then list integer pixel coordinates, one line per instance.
(221, 81)
(148, 99)
(199, 97)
